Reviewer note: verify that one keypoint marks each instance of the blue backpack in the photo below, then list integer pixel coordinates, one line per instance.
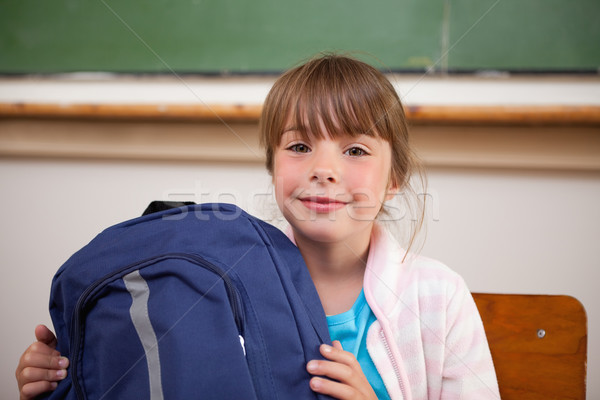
(202, 301)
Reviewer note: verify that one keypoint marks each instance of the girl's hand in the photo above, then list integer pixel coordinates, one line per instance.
(41, 366)
(346, 379)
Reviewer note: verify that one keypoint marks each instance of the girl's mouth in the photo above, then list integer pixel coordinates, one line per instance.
(322, 204)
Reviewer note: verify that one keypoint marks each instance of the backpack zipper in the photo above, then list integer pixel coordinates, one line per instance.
(232, 294)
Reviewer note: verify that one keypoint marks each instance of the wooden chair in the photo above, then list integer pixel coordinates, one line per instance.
(538, 343)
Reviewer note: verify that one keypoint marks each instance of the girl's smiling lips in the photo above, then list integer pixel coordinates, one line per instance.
(322, 204)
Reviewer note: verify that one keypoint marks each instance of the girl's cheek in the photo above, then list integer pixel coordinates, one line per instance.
(281, 187)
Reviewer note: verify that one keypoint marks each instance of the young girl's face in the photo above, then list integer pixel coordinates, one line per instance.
(331, 189)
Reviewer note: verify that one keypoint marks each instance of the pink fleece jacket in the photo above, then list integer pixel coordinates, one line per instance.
(428, 341)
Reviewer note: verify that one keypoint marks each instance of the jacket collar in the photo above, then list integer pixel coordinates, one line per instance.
(385, 267)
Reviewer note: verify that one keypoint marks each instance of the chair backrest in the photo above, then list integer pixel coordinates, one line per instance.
(538, 343)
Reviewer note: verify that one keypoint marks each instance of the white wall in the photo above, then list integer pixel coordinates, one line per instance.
(503, 230)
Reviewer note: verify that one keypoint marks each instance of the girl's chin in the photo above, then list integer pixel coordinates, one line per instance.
(326, 231)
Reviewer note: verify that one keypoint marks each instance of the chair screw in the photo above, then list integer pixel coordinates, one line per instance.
(541, 333)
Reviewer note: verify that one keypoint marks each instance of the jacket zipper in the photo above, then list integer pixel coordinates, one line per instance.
(232, 294)
(395, 365)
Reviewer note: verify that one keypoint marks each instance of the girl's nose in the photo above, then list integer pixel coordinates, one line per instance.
(325, 168)
(322, 175)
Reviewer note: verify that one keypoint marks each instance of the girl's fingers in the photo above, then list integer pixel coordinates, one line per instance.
(334, 389)
(340, 375)
(41, 366)
(337, 354)
(45, 335)
(33, 374)
(42, 359)
(42, 348)
(337, 344)
(331, 369)
(33, 389)
(340, 365)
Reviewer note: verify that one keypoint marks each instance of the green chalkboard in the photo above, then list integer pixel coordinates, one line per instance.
(530, 35)
(257, 36)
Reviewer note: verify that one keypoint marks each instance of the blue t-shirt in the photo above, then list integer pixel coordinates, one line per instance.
(350, 328)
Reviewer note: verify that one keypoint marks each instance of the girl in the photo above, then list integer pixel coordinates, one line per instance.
(404, 326)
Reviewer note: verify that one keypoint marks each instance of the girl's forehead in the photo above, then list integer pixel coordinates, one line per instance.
(327, 124)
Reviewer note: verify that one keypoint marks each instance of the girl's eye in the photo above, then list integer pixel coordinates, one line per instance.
(299, 148)
(356, 152)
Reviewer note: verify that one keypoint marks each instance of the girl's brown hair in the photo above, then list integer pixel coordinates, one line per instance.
(347, 96)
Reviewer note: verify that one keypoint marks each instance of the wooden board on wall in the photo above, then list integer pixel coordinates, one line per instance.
(199, 36)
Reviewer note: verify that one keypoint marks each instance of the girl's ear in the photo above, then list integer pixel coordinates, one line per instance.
(392, 190)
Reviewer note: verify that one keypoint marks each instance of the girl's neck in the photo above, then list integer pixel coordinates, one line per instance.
(337, 270)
